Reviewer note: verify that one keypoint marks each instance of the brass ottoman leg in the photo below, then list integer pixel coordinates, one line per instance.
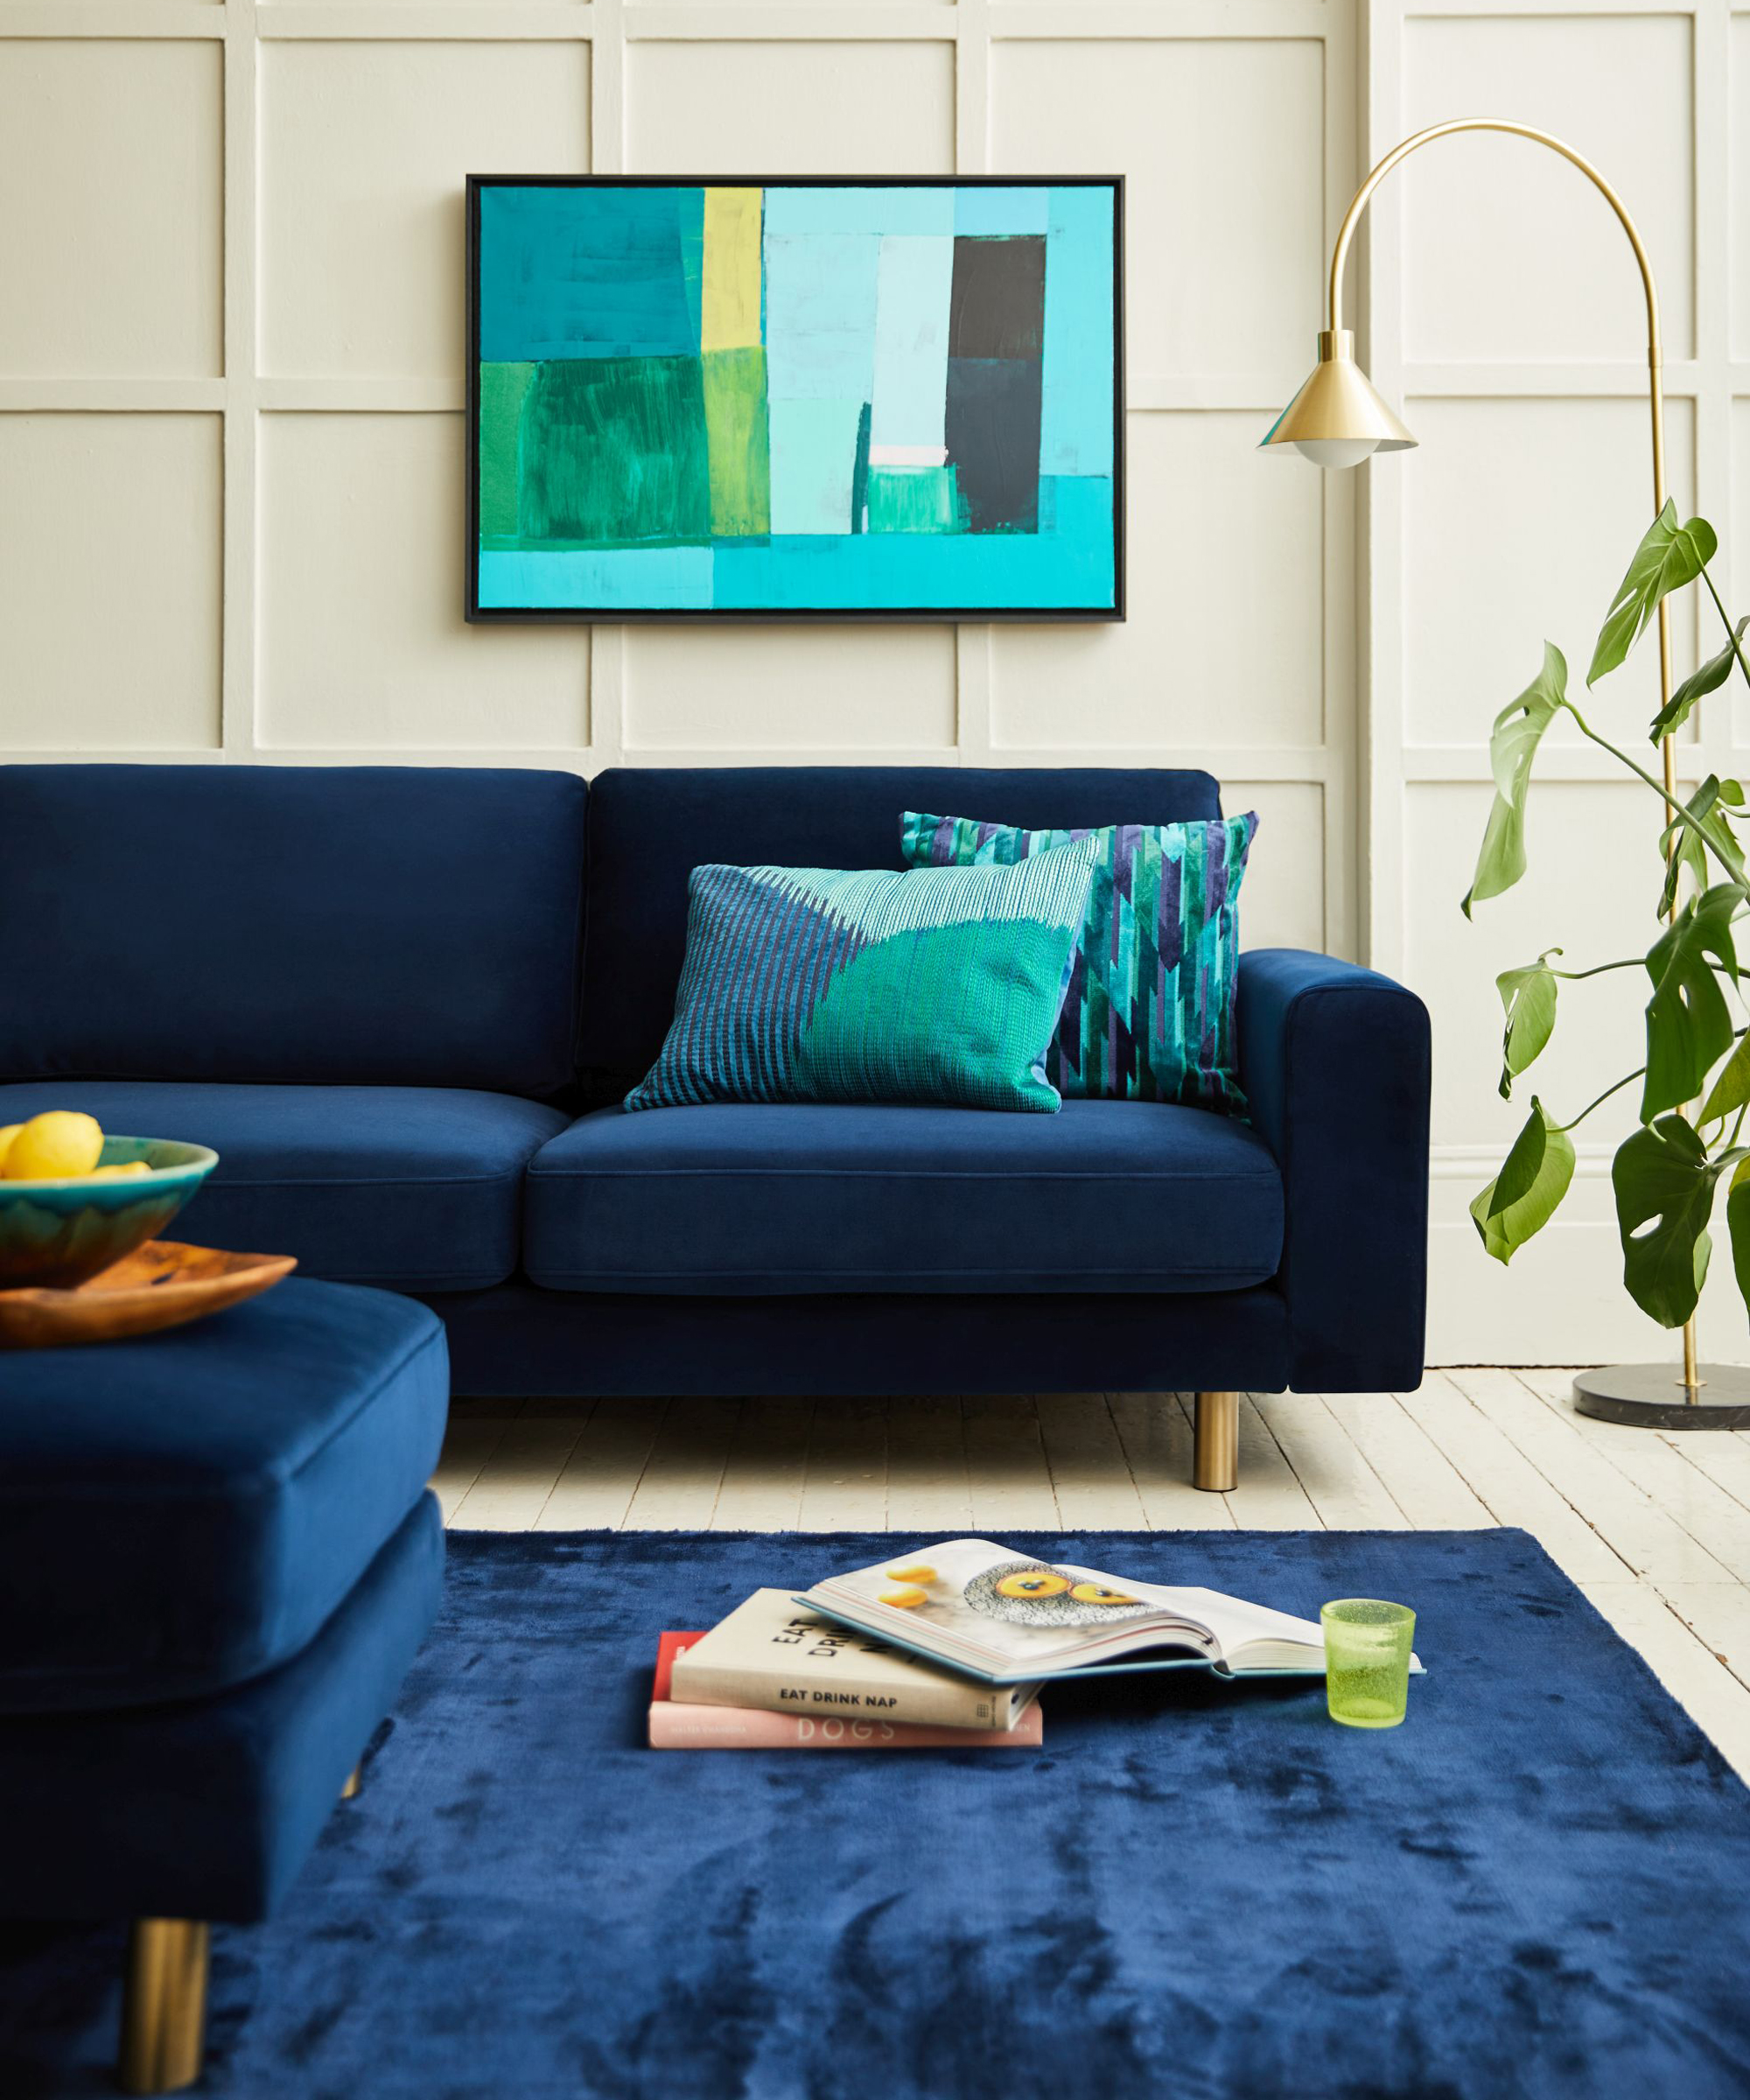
(1216, 1462)
(353, 1783)
(164, 2005)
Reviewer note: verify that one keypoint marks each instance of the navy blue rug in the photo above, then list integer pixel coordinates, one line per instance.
(1540, 1885)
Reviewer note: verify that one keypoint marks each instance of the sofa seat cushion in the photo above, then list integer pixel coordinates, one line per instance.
(416, 1188)
(183, 1512)
(1105, 1196)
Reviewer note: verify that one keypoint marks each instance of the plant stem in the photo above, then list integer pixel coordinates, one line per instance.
(1626, 1080)
(1586, 730)
(1671, 801)
(1574, 976)
(1731, 632)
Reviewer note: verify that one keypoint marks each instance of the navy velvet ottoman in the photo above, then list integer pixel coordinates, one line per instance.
(219, 1556)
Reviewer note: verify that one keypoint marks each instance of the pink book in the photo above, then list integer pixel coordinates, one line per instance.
(681, 1727)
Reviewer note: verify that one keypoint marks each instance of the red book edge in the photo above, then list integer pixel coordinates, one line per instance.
(667, 1648)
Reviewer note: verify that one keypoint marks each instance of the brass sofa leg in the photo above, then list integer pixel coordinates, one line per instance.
(1215, 1461)
(164, 2005)
(353, 1783)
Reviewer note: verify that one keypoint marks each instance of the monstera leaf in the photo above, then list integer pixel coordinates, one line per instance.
(1732, 1089)
(1738, 1223)
(1689, 1027)
(1664, 1183)
(1709, 679)
(1669, 556)
(1699, 828)
(1529, 995)
(1523, 1197)
(1518, 730)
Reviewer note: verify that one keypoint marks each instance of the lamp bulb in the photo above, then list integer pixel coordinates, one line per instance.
(1335, 451)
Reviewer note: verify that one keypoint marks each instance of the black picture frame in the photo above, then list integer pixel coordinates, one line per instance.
(477, 614)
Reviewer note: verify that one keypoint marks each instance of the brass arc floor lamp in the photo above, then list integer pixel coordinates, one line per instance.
(1337, 420)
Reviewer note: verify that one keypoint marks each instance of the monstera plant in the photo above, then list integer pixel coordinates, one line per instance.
(1667, 1172)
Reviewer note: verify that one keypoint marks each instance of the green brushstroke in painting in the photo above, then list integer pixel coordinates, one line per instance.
(738, 443)
(503, 389)
(913, 499)
(614, 451)
(691, 212)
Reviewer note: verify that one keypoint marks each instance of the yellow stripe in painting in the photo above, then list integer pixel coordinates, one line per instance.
(729, 316)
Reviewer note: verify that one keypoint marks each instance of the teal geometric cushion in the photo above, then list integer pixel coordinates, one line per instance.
(1150, 1011)
(940, 984)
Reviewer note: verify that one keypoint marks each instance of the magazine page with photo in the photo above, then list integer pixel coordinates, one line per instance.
(982, 1608)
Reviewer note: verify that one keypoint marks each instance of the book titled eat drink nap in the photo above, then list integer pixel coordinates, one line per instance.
(773, 1654)
(676, 1726)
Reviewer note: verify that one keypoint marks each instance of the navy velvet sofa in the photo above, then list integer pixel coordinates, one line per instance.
(403, 1005)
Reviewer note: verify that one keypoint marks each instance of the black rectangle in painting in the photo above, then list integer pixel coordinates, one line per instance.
(997, 303)
(992, 429)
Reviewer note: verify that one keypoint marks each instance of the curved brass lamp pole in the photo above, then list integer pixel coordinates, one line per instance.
(1338, 420)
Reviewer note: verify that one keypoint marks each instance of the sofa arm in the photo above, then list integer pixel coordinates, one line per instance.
(1335, 1062)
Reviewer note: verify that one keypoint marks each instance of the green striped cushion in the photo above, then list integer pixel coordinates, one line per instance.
(1150, 1013)
(939, 984)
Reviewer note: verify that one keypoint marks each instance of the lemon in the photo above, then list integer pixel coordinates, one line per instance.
(8, 1132)
(119, 1173)
(53, 1146)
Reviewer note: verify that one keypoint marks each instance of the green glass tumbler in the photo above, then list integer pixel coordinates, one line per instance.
(1367, 1661)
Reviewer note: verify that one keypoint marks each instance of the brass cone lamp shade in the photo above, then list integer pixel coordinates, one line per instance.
(1338, 410)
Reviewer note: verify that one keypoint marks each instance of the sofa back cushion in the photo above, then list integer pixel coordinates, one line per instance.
(650, 829)
(412, 925)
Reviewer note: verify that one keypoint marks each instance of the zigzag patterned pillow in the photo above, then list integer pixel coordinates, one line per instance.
(1150, 1014)
(939, 984)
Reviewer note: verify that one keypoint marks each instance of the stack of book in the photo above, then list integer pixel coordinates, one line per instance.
(775, 1677)
(946, 1647)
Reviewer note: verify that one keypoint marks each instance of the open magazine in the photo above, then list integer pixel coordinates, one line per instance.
(989, 1612)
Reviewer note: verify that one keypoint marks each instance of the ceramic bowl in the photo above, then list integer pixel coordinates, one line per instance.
(56, 1233)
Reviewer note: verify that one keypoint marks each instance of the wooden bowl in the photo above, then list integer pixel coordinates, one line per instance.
(54, 1235)
(161, 1285)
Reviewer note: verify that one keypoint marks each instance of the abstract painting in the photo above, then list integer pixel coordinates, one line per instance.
(802, 398)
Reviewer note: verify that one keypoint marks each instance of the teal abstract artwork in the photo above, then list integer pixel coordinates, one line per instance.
(803, 398)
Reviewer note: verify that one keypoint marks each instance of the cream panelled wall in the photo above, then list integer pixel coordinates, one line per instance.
(1507, 315)
(231, 385)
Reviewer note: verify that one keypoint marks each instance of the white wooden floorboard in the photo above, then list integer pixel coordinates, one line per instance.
(1716, 1521)
(467, 1448)
(1718, 1613)
(678, 1488)
(1724, 1458)
(1156, 1438)
(767, 1463)
(928, 1488)
(845, 1487)
(1338, 1481)
(1651, 1541)
(1008, 1475)
(518, 1476)
(1501, 1476)
(1430, 1490)
(1656, 1528)
(1269, 1498)
(595, 1488)
(1091, 1478)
